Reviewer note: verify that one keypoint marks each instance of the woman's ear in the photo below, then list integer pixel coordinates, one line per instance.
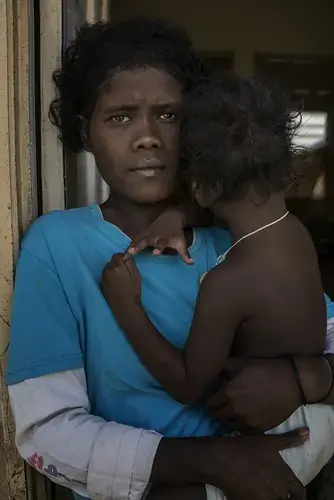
(84, 132)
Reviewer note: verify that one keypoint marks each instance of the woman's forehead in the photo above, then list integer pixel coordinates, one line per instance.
(131, 87)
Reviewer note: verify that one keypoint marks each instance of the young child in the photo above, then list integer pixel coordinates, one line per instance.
(264, 298)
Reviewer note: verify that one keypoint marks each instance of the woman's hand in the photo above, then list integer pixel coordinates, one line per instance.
(257, 395)
(256, 470)
(121, 285)
(260, 394)
(165, 232)
(243, 467)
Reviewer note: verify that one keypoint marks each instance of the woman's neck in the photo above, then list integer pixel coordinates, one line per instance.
(130, 217)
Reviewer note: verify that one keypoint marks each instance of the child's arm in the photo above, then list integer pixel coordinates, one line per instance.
(192, 214)
(187, 374)
(167, 230)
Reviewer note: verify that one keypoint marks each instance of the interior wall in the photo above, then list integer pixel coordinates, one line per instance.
(243, 27)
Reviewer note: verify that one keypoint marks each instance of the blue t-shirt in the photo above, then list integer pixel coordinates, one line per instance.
(61, 321)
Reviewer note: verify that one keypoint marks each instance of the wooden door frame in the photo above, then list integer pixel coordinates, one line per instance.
(32, 179)
(18, 200)
(32, 182)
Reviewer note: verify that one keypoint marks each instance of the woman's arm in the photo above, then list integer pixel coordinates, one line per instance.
(58, 436)
(317, 374)
(186, 375)
(261, 394)
(192, 214)
(188, 492)
(316, 377)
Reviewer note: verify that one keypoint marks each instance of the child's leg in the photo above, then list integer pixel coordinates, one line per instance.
(307, 461)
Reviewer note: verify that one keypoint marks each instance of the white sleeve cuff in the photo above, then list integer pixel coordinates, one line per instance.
(105, 460)
(329, 348)
(121, 463)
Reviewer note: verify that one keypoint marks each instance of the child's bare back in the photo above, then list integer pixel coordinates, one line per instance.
(282, 296)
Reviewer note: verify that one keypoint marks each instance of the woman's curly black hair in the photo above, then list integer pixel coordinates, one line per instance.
(239, 132)
(101, 49)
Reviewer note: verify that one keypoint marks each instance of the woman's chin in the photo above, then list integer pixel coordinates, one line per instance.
(152, 196)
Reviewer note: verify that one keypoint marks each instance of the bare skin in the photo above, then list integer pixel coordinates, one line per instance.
(261, 393)
(259, 456)
(135, 122)
(258, 394)
(265, 300)
(224, 405)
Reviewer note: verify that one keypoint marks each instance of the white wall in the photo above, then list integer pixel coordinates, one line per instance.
(273, 26)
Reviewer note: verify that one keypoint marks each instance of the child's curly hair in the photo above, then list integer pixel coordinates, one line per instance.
(239, 132)
(103, 48)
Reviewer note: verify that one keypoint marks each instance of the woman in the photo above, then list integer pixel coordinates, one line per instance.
(71, 373)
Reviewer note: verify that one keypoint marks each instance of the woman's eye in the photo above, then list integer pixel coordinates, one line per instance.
(119, 119)
(170, 116)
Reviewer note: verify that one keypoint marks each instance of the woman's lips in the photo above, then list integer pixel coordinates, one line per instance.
(149, 167)
(149, 171)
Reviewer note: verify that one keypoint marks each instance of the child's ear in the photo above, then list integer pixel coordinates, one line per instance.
(84, 131)
(204, 198)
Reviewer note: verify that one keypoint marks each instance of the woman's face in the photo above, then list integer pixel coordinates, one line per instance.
(134, 134)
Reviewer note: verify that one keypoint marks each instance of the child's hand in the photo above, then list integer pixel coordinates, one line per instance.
(121, 284)
(165, 232)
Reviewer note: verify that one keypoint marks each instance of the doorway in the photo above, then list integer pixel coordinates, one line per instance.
(288, 42)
